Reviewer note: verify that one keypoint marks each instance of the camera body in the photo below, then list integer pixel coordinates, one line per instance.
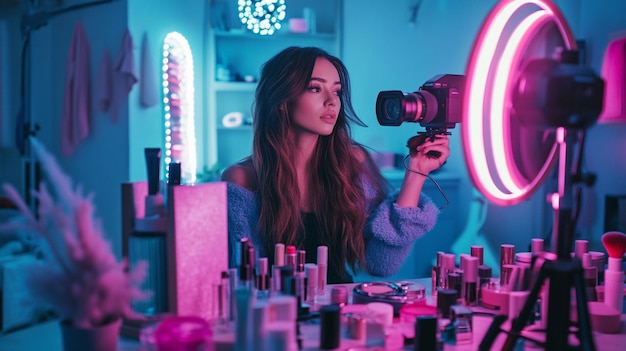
(435, 106)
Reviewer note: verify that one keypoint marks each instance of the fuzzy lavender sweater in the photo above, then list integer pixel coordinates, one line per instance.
(390, 232)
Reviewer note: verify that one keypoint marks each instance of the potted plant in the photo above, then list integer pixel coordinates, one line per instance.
(76, 274)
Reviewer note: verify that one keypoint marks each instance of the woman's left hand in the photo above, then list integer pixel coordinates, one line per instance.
(428, 153)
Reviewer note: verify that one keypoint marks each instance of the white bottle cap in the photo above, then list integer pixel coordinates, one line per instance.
(536, 245)
(311, 274)
(580, 247)
(283, 308)
(517, 299)
(470, 273)
(379, 313)
(449, 262)
(279, 255)
(322, 255)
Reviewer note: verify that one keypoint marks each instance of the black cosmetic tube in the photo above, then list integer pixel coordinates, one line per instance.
(153, 167)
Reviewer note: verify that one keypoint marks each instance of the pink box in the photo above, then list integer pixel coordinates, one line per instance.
(298, 25)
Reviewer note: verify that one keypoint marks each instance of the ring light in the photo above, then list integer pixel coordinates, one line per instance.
(509, 37)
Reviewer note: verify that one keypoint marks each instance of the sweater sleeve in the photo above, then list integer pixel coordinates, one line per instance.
(242, 216)
(391, 231)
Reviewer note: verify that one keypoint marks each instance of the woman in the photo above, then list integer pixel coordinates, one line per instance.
(307, 183)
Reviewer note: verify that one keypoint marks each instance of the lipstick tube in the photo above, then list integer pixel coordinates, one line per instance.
(507, 258)
(435, 276)
(478, 252)
(290, 256)
(470, 283)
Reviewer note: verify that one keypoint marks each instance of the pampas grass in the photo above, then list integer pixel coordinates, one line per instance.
(78, 276)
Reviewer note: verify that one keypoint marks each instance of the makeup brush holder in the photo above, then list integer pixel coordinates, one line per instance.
(186, 250)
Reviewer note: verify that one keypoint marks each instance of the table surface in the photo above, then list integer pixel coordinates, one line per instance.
(47, 336)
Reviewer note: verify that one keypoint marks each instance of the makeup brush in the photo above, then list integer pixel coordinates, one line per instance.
(615, 245)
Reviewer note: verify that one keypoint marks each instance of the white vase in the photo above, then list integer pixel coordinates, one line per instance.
(101, 338)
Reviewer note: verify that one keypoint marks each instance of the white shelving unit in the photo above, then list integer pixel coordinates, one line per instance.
(243, 53)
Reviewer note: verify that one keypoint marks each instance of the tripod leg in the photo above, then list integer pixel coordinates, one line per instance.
(520, 322)
(492, 333)
(559, 300)
(584, 323)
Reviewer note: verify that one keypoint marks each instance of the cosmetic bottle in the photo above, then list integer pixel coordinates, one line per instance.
(244, 300)
(436, 279)
(223, 295)
(311, 284)
(322, 269)
(580, 247)
(448, 266)
(426, 336)
(615, 245)
(262, 279)
(330, 327)
(279, 261)
(536, 245)
(478, 252)
(484, 275)
(590, 274)
(507, 258)
(290, 256)
(470, 284)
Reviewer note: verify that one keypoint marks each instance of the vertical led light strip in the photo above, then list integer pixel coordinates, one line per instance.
(480, 66)
(178, 104)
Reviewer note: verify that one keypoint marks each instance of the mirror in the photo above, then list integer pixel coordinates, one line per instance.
(178, 105)
(508, 160)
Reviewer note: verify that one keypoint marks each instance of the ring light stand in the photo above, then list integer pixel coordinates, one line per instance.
(503, 87)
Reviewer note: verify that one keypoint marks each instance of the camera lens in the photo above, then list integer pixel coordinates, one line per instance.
(392, 108)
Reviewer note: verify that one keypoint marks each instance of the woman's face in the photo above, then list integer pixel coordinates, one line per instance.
(316, 110)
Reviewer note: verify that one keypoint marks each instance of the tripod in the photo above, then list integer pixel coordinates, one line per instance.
(563, 273)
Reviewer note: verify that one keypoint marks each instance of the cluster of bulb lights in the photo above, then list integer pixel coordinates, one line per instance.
(177, 58)
(491, 99)
(262, 17)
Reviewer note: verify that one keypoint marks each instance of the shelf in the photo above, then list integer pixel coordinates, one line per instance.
(244, 128)
(234, 86)
(235, 33)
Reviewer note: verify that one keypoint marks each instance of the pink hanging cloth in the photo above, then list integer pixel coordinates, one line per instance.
(75, 118)
(614, 75)
(124, 75)
(104, 85)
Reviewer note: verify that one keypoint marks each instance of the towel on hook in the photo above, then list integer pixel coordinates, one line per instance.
(104, 84)
(124, 75)
(148, 87)
(75, 118)
(614, 75)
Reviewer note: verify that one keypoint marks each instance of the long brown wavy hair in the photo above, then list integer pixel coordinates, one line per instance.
(336, 190)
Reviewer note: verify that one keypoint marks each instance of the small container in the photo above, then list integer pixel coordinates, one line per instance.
(410, 312)
(183, 333)
(330, 326)
(339, 296)
(426, 333)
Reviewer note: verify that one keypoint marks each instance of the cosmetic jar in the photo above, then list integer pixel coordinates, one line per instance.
(396, 294)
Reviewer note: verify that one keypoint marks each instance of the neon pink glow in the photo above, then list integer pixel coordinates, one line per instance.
(488, 99)
(500, 114)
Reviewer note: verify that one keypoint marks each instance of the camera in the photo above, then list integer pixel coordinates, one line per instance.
(551, 93)
(435, 106)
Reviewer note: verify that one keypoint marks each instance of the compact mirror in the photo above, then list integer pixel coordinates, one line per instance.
(507, 159)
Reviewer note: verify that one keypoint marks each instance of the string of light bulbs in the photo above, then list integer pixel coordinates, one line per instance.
(262, 17)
